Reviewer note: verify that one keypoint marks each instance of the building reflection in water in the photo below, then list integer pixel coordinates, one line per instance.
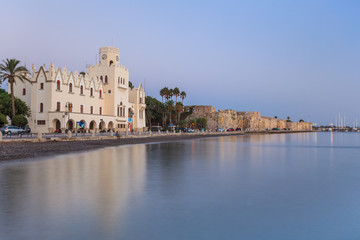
(93, 186)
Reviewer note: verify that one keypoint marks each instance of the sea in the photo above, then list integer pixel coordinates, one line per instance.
(261, 187)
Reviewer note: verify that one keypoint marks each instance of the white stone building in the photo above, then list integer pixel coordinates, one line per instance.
(97, 100)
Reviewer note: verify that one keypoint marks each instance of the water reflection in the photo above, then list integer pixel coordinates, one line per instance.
(283, 186)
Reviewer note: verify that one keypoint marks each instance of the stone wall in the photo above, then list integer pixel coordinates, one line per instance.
(248, 121)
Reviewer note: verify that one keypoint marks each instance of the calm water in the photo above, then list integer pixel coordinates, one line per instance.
(293, 186)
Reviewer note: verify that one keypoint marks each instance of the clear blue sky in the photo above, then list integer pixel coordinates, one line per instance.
(286, 58)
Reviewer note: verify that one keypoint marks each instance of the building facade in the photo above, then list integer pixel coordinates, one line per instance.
(99, 99)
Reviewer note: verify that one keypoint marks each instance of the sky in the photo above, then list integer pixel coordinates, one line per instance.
(282, 58)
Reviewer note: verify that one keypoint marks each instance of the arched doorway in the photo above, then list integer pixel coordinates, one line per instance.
(70, 124)
(57, 125)
(102, 125)
(92, 125)
(111, 125)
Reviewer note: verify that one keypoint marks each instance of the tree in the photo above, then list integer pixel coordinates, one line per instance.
(201, 123)
(19, 120)
(131, 86)
(5, 105)
(9, 70)
(288, 119)
(183, 96)
(3, 120)
(171, 93)
(301, 120)
(162, 94)
(179, 109)
(176, 92)
(191, 122)
(165, 92)
(275, 117)
(153, 111)
(169, 107)
(83, 74)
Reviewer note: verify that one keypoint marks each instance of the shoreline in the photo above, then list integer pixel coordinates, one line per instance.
(30, 149)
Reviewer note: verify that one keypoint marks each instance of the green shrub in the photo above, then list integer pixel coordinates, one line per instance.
(3, 120)
(19, 120)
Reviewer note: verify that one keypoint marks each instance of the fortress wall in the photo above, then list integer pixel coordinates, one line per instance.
(249, 121)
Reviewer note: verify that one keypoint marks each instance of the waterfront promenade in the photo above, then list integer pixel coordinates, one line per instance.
(30, 146)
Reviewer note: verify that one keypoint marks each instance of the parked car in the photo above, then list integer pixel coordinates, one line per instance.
(238, 129)
(11, 130)
(275, 129)
(26, 129)
(220, 130)
(230, 130)
(156, 128)
(181, 129)
(190, 130)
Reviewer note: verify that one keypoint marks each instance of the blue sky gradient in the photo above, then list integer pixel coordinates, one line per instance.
(286, 58)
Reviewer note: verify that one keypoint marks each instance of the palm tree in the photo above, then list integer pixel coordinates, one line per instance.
(176, 92)
(179, 109)
(166, 93)
(9, 70)
(183, 96)
(170, 107)
(162, 94)
(171, 93)
(162, 109)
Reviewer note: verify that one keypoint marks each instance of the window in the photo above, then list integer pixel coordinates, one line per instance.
(91, 110)
(24, 91)
(41, 122)
(81, 108)
(111, 62)
(101, 78)
(118, 125)
(100, 93)
(70, 107)
(91, 92)
(81, 90)
(109, 91)
(118, 80)
(41, 86)
(100, 110)
(58, 85)
(106, 80)
(70, 87)
(41, 107)
(58, 106)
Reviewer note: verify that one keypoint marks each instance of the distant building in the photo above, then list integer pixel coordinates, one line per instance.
(97, 100)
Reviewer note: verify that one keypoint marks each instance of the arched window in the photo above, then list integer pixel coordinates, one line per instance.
(58, 85)
(81, 90)
(111, 62)
(101, 79)
(100, 93)
(41, 107)
(70, 87)
(106, 79)
(91, 92)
